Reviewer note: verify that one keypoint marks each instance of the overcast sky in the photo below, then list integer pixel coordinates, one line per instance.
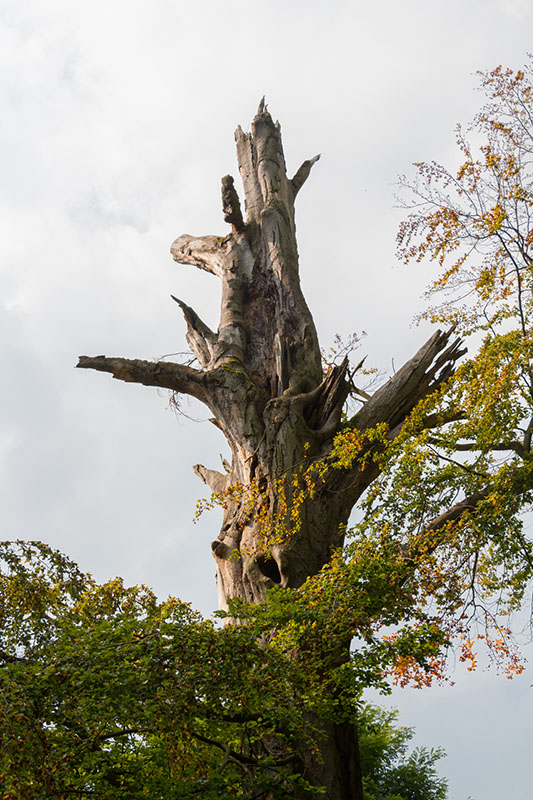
(117, 125)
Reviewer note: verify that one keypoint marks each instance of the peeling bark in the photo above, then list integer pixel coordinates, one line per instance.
(261, 376)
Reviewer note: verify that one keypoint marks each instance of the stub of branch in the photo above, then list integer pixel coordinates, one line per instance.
(225, 464)
(216, 481)
(231, 205)
(330, 396)
(302, 174)
(166, 375)
(205, 252)
(200, 337)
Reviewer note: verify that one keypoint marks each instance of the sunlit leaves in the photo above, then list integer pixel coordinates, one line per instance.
(106, 691)
(476, 222)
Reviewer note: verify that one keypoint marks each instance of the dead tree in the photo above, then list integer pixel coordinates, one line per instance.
(261, 376)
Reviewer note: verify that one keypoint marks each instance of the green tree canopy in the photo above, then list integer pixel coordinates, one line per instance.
(107, 692)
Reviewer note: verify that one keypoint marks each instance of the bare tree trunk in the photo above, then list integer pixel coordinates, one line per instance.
(261, 376)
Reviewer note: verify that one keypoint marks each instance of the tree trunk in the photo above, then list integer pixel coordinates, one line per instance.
(261, 376)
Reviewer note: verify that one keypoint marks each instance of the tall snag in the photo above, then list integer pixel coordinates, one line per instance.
(260, 375)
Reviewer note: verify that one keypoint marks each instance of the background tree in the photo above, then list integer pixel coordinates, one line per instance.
(388, 772)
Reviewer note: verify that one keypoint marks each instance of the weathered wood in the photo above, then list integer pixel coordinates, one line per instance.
(200, 337)
(231, 206)
(261, 376)
(414, 380)
(164, 374)
(302, 174)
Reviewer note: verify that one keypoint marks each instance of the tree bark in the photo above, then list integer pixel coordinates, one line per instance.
(261, 376)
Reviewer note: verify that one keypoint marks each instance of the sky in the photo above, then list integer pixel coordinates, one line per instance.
(117, 125)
